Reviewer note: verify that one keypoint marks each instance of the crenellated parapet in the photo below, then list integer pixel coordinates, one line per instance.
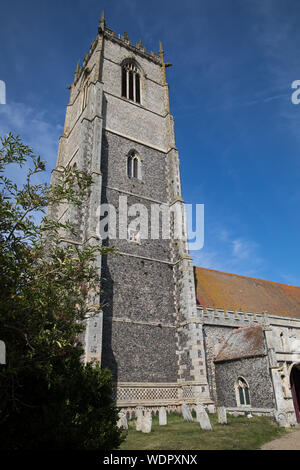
(123, 40)
(82, 69)
(239, 318)
(233, 318)
(139, 48)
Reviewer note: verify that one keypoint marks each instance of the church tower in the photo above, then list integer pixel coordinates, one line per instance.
(118, 127)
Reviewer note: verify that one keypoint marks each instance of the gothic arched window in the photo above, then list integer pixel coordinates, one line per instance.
(242, 392)
(131, 83)
(133, 165)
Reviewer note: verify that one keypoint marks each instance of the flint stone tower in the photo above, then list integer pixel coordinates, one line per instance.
(118, 126)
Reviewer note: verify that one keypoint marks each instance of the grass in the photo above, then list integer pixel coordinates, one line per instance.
(241, 433)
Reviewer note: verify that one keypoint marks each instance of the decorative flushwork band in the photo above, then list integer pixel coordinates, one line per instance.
(141, 394)
(187, 392)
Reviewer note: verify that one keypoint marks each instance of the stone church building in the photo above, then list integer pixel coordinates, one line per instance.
(170, 333)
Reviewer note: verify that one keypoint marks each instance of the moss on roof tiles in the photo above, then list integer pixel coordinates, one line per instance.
(243, 343)
(218, 289)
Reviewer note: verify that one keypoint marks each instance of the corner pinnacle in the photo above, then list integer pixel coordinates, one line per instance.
(163, 68)
(102, 21)
(161, 52)
(77, 71)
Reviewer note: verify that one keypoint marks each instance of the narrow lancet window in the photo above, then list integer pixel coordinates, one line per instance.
(242, 392)
(130, 85)
(129, 166)
(137, 88)
(123, 82)
(133, 166)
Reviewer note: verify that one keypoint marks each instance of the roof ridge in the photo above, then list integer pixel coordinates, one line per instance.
(236, 330)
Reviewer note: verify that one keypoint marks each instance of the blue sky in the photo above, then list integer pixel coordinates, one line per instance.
(237, 130)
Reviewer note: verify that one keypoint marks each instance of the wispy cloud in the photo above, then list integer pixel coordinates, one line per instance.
(256, 101)
(243, 249)
(224, 251)
(34, 128)
(276, 33)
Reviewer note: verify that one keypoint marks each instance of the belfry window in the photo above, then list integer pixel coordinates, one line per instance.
(133, 166)
(242, 392)
(131, 84)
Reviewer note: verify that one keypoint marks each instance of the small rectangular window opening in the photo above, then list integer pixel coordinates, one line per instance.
(123, 82)
(137, 88)
(130, 85)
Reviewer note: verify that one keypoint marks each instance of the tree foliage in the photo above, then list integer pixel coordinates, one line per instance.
(48, 397)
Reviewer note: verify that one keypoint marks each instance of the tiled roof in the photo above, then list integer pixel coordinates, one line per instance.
(226, 291)
(242, 343)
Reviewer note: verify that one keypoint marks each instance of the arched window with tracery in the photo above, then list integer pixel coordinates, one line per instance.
(242, 392)
(131, 82)
(133, 165)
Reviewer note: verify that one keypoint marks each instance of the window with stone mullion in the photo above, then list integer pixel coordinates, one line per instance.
(131, 83)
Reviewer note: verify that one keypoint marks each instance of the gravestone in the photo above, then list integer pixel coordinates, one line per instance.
(222, 415)
(211, 409)
(2, 353)
(147, 422)
(186, 413)
(122, 423)
(199, 409)
(202, 418)
(282, 419)
(140, 415)
(162, 416)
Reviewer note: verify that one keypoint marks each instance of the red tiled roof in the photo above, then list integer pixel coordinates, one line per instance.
(242, 343)
(226, 291)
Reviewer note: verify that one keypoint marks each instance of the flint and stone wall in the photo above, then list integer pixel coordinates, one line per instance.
(139, 342)
(257, 374)
(149, 286)
(145, 294)
(214, 338)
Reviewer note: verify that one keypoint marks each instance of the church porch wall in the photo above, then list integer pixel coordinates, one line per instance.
(214, 337)
(255, 371)
(284, 351)
(283, 339)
